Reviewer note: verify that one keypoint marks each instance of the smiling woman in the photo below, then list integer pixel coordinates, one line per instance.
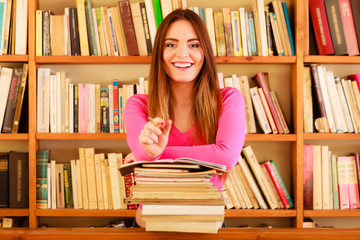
(192, 117)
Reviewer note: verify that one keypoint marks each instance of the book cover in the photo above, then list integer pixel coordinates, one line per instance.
(210, 26)
(74, 33)
(60, 188)
(282, 184)
(20, 100)
(146, 28)
(42, 158)
(342, 171)
(4, 180)
(151, 19)
(83, 37)
(57, 32)
(249, 111)
(308, 176)
(334, 182)
(228, 32)
(219, 34)
(83, 175)
(321, 27)
(18, 179)
(21, 27)
(259, 110)
(288, 27)
(236, 35)
(139, 28)
(116, 105)
(349, 29)
(355, 8)
(317, 180)
(43, 100)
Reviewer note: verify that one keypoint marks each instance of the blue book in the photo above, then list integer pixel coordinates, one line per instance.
(288, 27)
(202, 14)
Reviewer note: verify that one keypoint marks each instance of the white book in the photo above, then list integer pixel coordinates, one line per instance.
(183, 4)
(317, 180)
(59, 178)
(113, 38)
(344, 106)
(99, 187)
(243, 32)
(262, 23)
(62, 99)
(67, 32)
(114, 181)
(71, 107)
(330, 181)
(66, 104)
(141, 89)
(97, 40)
(21, 27)
(355, 107)
(277, 39)
(83, 174)
(209, 21)
(139, 29)
(48, 169)
(348, 102)
(228, 82)
(53, 119)
(339, 118)
(252, 183)
(53, 183)
(259, 110)
(325, 177)
(58, 102)
(272, 186)
(78, 183)
(74, 184)
(151, 19)
(122, 189)
(103, 164)
(236, 83)
(91, 111)
(104, 29)
(91, 180)
(166, 7)
(220, 77)
(267, 111)
(325, 95)
(111, 108)
(42, 96)
(159, 209)
(249, 111)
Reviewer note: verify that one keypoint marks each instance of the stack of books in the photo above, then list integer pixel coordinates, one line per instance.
(177, 195)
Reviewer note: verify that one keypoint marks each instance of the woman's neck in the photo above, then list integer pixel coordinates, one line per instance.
(182, 95)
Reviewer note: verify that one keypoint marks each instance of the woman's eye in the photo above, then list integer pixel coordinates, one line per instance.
(170, 45)
(194, 45)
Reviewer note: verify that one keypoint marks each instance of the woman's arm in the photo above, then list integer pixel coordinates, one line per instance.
(229, 139)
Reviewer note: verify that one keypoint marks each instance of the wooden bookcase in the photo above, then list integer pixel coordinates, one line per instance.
(286, 74)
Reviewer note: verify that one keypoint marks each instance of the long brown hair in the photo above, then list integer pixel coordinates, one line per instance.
(206, 93)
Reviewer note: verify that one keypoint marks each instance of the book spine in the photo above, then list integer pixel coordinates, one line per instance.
(4, 180)
(344, 200)
(334, 182)
(227, 30)
(116, 105)
(157, 12)
(18, 179)
(317, 181)
(308, 176)
(146, 27)
(349, 30)
(128, 26)
(288, 28)
(282, 184)
(84, 44)
(42, 158)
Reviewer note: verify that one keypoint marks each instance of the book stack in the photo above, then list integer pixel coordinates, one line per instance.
(177, 195)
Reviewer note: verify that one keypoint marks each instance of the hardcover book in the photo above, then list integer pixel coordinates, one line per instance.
(19, 179)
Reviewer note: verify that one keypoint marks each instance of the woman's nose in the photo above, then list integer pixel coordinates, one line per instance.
(182, 50)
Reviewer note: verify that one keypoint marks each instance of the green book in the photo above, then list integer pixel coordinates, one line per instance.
(334, 182)
(69, 200)
(92, 30)
(42, 157)
(282, 184)
(157, 12)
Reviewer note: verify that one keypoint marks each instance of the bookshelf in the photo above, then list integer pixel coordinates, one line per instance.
(286, 74)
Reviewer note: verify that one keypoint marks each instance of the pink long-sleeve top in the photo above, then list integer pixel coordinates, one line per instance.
(226, 150)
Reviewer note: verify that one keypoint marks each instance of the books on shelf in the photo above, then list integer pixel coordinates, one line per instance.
(72, 184)
(128, 29)
(331, 180)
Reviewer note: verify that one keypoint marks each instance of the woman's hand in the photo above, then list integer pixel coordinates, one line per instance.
(129, 158)
(155, 135)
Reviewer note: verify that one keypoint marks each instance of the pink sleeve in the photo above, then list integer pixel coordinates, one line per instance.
(135, 116)
(230, 136)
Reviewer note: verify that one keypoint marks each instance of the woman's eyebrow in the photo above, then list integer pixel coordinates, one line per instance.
(171, 39)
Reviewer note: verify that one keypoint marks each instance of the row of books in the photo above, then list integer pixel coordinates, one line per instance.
(331, 103)
(9, 222)
(254, 185)
(335, 27)
(90, 182)
(259, 97)
(12, 95)
(330, 181)
(123, 30)
(177, 195)
(84, 107)
(13, 27)
(14, 180)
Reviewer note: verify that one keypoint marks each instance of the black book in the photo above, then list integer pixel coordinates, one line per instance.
(24, 116)
(19, 179)
(146, 28)
(76, 108)
(4, 180)
(88, 30)
(12, 100)
(74, 32)
(104, 118)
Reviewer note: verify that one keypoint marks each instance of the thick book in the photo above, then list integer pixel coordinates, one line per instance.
(4, 180)
(5, 80)
(321, 27)
(355, 8)
(42, 158)
(349, 29)
(172, 163)
(74, 33)
(18, 179)
(128, 26)
(57, 37)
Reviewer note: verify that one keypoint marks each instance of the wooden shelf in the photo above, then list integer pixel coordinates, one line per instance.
(332, 213)
(84, 213)
(14, 212)
(260, 213)
(14, 58)
(11, 136)
(332, 59)
(147, 59)
(270, 137)
(80, 136)
(332, 136)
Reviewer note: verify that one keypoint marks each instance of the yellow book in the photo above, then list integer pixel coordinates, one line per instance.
(114, 181)
(105, 185)
(99, 187)
(119, 32)
(84, 44)
(38, 29)
(235, 22)
(119, 161)
(91, 180)
(84, 188)
(231, 191)
(108, 31)
(12, 52)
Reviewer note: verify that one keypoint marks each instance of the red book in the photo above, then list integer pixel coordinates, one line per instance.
(116, 105)
(355, 77)
(321, 27)
(128, 26)
(308, 176)
(129, 181)
(276, 182)
(263, 79)
(349, 29)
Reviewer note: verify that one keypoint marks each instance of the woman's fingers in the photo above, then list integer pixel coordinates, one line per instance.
(129, 158)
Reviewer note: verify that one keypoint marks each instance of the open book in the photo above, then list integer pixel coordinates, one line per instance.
(187, 163)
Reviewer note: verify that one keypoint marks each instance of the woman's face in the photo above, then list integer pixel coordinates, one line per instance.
(182, 54)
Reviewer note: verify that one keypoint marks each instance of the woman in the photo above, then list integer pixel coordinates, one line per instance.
(192, 117)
